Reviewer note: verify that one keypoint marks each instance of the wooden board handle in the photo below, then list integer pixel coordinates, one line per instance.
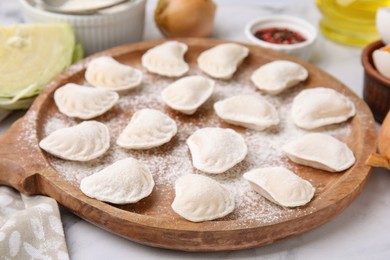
(13, 163)
(13, 175)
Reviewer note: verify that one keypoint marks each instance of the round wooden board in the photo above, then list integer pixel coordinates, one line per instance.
(152, 222)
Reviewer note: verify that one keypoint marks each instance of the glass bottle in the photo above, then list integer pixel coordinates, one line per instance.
(350, 22)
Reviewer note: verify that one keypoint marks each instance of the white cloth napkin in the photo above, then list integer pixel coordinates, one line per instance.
(30, 227)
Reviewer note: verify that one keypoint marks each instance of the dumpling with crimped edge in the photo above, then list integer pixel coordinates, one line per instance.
(281, 186)
(249, 111)
(187, 94)
(216, 150)
(105, 72)
(148, 128)
(84, 102)
(125, 181)
(316, 107)
(320, 151)
(83, 142)
(200, 198)
(166, 59)
(222, 61)
(276, 76)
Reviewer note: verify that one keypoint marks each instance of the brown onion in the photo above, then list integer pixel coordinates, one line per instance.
(185, 18)
(383, 158)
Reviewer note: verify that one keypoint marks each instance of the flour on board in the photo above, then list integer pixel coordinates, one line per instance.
(173, 160)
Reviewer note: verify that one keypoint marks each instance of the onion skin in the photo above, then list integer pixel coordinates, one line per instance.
(384, 137)
(383, 158)
(185, 18)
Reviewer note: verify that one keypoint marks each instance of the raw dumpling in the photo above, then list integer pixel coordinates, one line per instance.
(199, 198)
(83, 142)
(320, 151)
(166, 59)
(316, 107)
(147, 128)
(249, 111)
(276, 76)
(83, 102)
(125, 181)
(280, 186)
(105, 72)
(216, 150)
(222, 60)
(187, 94)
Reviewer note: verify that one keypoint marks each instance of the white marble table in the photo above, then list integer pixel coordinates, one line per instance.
(362, 231)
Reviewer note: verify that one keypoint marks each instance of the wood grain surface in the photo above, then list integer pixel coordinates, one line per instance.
(27, 168)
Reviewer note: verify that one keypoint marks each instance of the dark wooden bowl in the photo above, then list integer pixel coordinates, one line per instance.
(376, 91)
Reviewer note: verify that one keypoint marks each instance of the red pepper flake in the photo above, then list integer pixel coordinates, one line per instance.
(279, 36)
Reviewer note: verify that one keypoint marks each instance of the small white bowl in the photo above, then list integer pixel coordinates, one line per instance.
(96, 32)
(301, 50)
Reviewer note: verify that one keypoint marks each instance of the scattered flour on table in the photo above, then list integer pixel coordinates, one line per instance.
(173, 159)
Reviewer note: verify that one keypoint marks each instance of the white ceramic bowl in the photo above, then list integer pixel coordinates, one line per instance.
(301, 50)
(96, 32)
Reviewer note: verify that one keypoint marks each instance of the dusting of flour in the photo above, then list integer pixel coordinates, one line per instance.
(172, 160)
